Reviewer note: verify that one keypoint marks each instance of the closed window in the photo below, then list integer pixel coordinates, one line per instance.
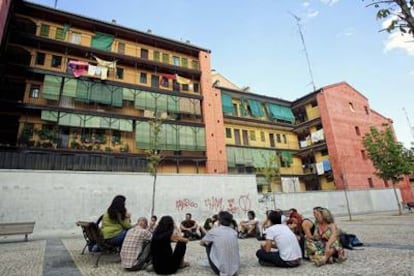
(156, 56)
(40, 58)
(56, 61)
(44, 30)
(195, 65)
(75, 38)
(60, 34)
(252, 135)
(184, 62)
(121, 47)
(155, 81)
(228, 132)
(144, 53)
(143, 78)
(165, 58)
(262, 136)
(176, 61)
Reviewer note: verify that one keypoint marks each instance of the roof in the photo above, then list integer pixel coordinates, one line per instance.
(219, 80)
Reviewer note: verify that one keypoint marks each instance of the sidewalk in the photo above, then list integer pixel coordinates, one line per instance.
(389, 250)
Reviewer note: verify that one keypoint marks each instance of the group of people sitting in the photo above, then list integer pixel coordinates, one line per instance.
(287, 239)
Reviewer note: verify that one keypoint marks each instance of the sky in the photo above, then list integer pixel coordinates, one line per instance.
(256, 43)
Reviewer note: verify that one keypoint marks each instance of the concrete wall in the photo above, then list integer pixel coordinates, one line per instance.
(57, 199)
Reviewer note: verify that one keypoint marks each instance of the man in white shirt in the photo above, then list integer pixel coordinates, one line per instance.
(279, 236)
(222, 246)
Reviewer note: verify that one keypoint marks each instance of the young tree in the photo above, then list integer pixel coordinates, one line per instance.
(153, 154)
(270, 170)
(391, 160)
(400, 12)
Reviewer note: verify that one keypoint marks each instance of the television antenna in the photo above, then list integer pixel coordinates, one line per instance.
(409, 123)
(302, 38)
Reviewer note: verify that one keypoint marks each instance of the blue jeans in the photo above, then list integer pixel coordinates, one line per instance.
(118, 239)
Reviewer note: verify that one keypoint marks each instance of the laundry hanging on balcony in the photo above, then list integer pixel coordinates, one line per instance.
(78, 68)
(98, 71)
(182, 80)
(104, 63)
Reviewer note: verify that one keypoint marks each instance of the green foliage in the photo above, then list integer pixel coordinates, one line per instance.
(400, 13)
(391, 160)
(271, 168)
(153, 154)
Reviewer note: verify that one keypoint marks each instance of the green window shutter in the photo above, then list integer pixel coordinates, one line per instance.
(44, 30)
(117, 96)
(150, 101)
(125, 125)
(287, 157)
(102, 41)
(186, 138)
(142, 135)
(256, 108)
(196, 106)
(83, 91)
(170, 139)
(69, 119)
(69, 87)
(184, 62)
(165, 58)
(115, 123)
(47, 115)
(200, 143)
(140, 100)
(280, 112)
(243, 109)
(60, 34)
(128, 94)
(231, 157)
(51, 87)
(161, 102)
(156, 56)
(227, 104)
(105, 122)
(172, 104)
(92, 121)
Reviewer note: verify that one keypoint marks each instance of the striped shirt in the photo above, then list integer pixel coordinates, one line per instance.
(132, 245)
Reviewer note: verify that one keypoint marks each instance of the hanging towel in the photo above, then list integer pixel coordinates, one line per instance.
(319, 168)
(78, 68)
(326, 165)
(167, 76)
(91, 70)
(105, 63)
(104, 72)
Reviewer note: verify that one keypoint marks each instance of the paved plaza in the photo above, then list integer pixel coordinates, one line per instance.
(388, 250)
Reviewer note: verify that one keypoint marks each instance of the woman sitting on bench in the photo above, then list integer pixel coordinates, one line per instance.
(116, 221)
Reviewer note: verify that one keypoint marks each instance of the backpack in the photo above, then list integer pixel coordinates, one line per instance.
(144, 257)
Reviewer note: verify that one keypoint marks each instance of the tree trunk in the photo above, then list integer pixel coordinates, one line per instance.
(396, 198)
(153, 195)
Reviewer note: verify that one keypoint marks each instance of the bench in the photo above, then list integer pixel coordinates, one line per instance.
(17, 228)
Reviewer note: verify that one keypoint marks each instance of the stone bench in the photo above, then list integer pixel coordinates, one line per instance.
(17, 228)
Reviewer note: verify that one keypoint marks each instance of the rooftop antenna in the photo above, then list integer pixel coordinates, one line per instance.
(297, 18)
(409, 123)
(56, 3)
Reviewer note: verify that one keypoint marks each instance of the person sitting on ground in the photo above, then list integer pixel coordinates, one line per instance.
(190, 228)
(136, 242)
(116, 221)
(279, 236)
(249, 227)
(264, 225)
(153, 223)
(209, 223)
(222, 246)
(324, 246)
(164, 259)
(294, 222)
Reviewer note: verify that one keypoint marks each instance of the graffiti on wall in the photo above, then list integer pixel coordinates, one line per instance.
(216, 204)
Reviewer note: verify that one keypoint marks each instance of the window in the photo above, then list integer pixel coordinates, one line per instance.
(196, 87)
(56, 61)
(176, 86)
(155, 81)
(363, 155)
(44, 30)
(119, 73)
(40, 58)
(236, 111)
(144, 53)
(324, 152)
(237, 140)
(284, 139)
(272, 140)
(156, 56)
(164, 82)
(176, 61)
(60, 34)
(75, 38)
(357, 131)
(245, 137)
(366, 110)
(252, 135)
(185, 87)
(143, 78)
(165, 58)
(262, 136)
(370, 183)
(195, 65)
(278, 140)
(34, 91)
(228, 132)
(184, 62)
(121, 47)
(351, 106)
